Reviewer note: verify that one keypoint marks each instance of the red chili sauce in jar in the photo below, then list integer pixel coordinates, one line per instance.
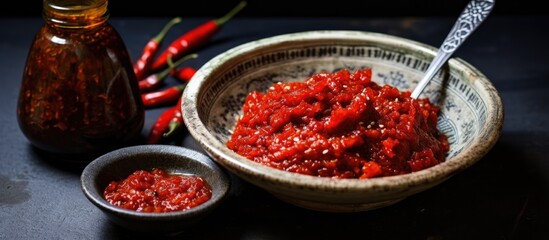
(158, 191)
(339, 125)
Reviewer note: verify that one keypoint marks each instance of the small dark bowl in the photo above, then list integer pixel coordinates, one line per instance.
(120, 163)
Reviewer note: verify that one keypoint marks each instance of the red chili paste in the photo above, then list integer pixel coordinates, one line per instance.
(158, 191)
(339, 125)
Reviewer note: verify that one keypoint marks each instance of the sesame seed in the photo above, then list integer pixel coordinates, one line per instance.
(325, 151)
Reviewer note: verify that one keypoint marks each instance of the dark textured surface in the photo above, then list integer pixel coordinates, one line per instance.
(504, 196)
(291, 8)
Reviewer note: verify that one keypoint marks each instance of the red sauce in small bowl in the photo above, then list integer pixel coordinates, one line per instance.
(339, 125)
(158, 191)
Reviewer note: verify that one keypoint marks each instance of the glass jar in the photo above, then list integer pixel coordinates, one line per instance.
(79, 94)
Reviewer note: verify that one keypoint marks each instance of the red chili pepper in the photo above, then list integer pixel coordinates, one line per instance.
(183, 74)
(194, 38)
(154, 81)
(143, 64)
(163, 97)
(161, 125)
(177, 120)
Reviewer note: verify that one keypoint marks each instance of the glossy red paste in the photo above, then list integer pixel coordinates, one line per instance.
(158, 191)
(339, 125)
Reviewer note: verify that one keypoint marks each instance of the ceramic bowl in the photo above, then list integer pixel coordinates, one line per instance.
(119, 164)
(471, 117)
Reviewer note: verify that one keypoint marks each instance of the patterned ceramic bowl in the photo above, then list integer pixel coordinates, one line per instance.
(471, 110)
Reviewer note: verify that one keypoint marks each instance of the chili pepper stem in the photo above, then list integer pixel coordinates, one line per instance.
(173, 127)
(176, 122)
(167, 71)
(160, 126)
(222, 20)
(160, 36)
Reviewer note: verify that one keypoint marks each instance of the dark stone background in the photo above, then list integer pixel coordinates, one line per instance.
(290, 8)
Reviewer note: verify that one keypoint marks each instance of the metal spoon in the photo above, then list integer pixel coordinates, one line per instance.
(472, 16)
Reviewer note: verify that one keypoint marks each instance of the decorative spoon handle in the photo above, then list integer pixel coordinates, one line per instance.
(472, 16)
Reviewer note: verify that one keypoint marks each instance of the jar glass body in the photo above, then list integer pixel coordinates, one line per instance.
(79, 94)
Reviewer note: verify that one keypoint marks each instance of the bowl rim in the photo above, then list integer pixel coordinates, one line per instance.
(90, 188)
(231, 160)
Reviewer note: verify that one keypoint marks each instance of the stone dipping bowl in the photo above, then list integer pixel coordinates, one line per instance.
(119, 164)
(471, 110)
